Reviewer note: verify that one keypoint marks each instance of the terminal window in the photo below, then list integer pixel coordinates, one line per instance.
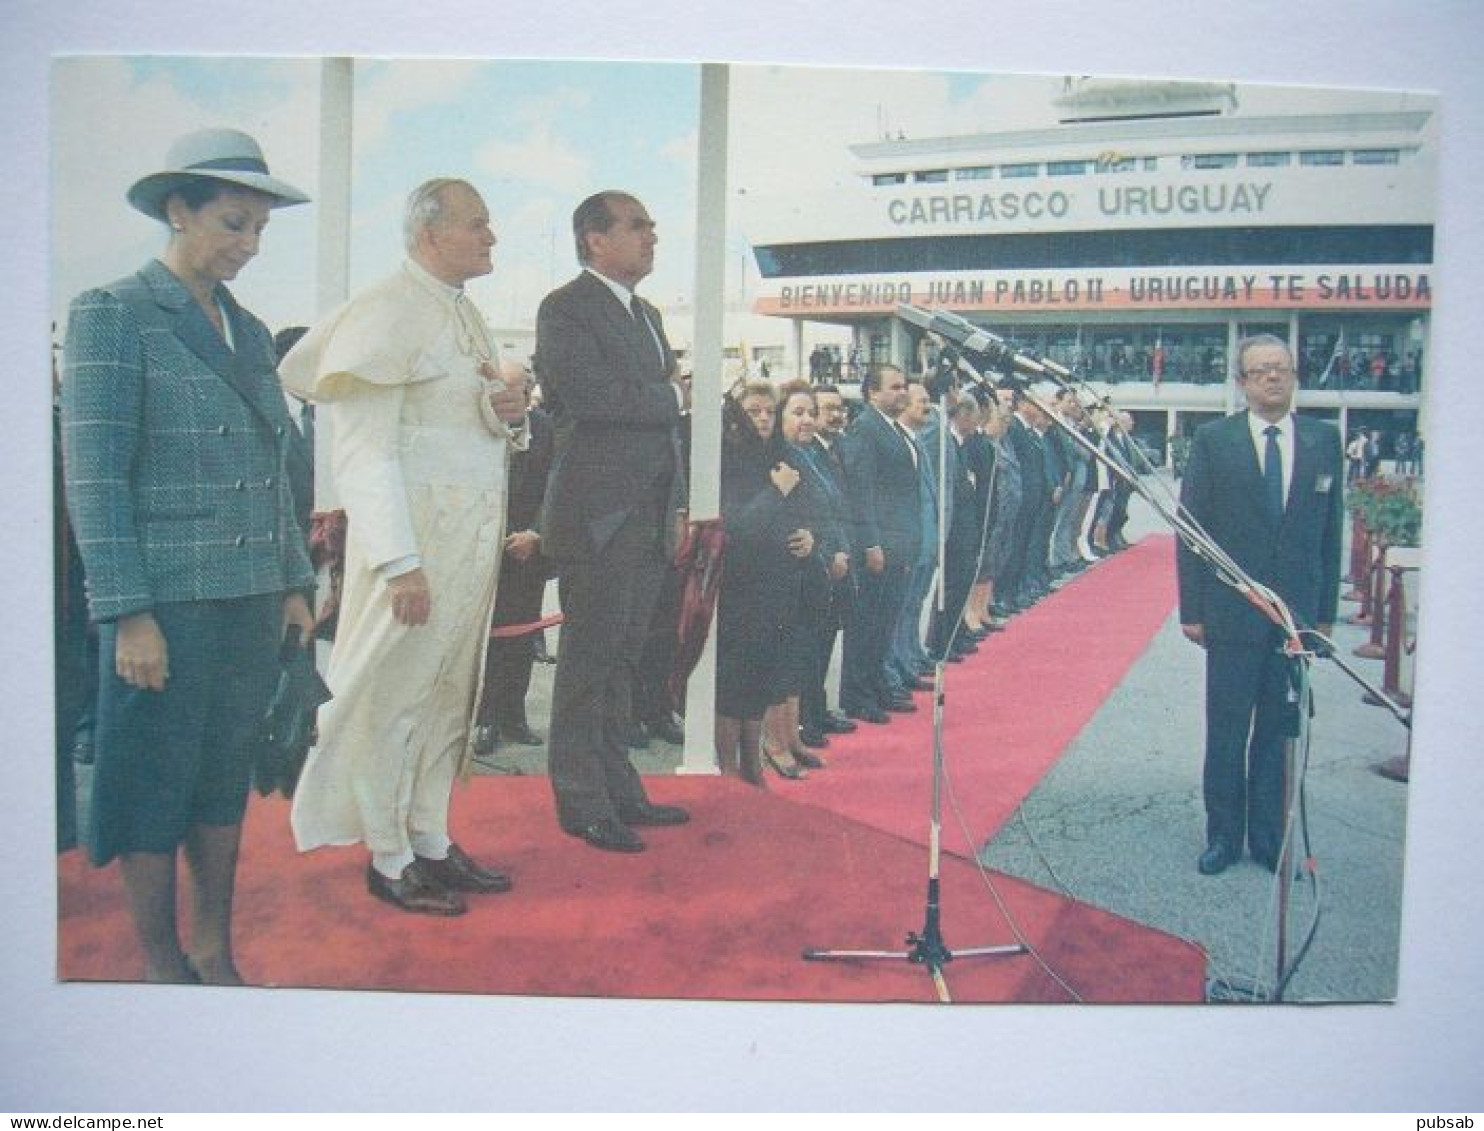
(1269, 160)
(930, 176)
(974, 173)
(1066, 168)
(1030, 169)
(1376, 156)
(1322, 157)
(1210, 161)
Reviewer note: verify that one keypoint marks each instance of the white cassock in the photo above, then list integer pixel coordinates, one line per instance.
(419, 464)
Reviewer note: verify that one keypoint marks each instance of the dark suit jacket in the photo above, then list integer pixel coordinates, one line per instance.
(1297, 556)
(176, 450)
(883, 484)
(1030, 450)
(614, 413)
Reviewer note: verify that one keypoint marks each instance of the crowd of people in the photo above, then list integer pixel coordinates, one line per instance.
(835, 523)
(187, 483)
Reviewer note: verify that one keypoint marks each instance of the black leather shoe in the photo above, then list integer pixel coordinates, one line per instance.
(607, 834)
(649, 814)
(521, 734)
(869, 715)
(809, 761)
(1218, 857)
(460, 872)
(666, 730)
(415, 891)
(915, 684)
(814, 738)
(901, 706)
(838, 724)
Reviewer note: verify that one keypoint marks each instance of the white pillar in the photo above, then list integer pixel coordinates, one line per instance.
(705, 453)
(332, 203)
(332, 212)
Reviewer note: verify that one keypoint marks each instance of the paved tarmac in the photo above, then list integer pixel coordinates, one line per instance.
(1119, 823)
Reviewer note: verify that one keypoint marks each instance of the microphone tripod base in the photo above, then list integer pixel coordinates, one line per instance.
(928, 949)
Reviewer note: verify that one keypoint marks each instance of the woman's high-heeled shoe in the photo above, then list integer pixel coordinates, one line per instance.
(792, 771)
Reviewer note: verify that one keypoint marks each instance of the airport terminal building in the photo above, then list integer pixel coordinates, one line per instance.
(1136, 240)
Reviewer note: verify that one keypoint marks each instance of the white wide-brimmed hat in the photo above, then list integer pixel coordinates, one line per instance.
(218, 155)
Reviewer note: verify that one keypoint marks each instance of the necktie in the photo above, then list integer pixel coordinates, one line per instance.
(1272, 470)
(636, 308)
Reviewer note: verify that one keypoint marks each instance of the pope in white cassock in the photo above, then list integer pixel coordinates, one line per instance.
(421, 425)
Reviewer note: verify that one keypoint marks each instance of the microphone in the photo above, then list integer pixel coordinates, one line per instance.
(980, 342)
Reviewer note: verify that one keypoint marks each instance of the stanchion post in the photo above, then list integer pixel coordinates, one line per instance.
(1375, 607)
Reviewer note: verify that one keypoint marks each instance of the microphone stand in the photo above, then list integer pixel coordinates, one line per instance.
(927, 947)
(1267, 602)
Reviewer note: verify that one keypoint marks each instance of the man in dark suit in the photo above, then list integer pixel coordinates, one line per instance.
(1025, 436)
(1266, 485)
(614, 392)
(882, 479)
(816, 719)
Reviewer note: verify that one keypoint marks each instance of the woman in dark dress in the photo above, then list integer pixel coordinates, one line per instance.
(176, 447)
(820, 508)
(768, 541)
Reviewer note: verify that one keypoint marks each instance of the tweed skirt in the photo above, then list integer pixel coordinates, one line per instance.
(169, 760)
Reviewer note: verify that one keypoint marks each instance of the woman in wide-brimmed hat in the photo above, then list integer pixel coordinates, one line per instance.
(175, 438)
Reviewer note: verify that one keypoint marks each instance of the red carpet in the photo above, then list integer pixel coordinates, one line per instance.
(1011, 709)
(722, 908)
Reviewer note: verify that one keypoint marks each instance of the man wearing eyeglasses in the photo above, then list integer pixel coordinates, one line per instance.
(1266, 485)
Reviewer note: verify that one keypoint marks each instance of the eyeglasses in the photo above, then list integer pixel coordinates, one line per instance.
(1272, 369)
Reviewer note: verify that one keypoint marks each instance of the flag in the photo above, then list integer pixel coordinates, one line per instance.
(1157, 362)
(1333, 358)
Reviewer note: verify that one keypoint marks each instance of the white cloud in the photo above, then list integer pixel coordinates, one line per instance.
(682, 151)
(541, 110)
(540, 158)
(388, 88)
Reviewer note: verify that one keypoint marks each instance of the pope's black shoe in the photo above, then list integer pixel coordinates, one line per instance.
(416, 891)
(458, 871)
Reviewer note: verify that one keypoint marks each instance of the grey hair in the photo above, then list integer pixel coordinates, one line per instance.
(1252, 342)
(425, 208)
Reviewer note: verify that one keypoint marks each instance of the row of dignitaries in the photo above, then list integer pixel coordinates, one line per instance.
(1266, 485)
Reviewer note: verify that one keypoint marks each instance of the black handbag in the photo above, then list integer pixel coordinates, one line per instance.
(287, 728)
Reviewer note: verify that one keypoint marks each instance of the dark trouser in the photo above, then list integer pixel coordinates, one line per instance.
(813, 700)
(961, 556)
(868, 636)
(653, 701)
(1037, 575)
(1247, 719)
(607, 604)
(507, 671)
(1015, 581)
(1118, 516)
